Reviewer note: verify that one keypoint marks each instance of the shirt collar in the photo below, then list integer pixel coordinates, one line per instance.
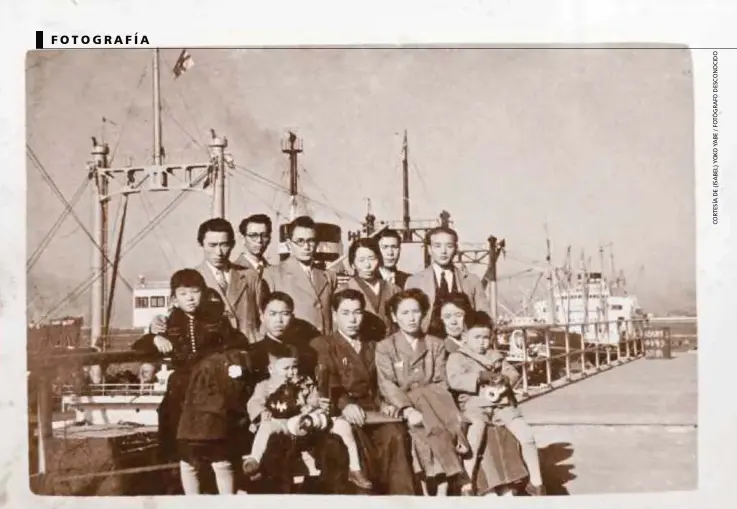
(253, 260)
(350, 340)
(438, 270)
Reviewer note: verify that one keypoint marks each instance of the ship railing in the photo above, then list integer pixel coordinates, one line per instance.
(115, 389)
(551, 356)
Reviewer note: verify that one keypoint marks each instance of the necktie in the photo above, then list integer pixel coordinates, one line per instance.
(260, 269)
(222, 281)
(356, 345)
(444, 286)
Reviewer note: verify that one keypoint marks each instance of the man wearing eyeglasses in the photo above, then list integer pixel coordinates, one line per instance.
(256, 235)
(310, 287)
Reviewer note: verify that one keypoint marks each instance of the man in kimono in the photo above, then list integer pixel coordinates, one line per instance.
(347, 372)
(310, 287)
(240, 288)
(390, 244)
(442, 277)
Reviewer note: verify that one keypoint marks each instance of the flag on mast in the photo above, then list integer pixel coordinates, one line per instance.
(183, 64)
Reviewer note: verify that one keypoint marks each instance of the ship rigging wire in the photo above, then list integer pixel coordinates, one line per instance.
(85, 284)
(49, 236)
(127, 116)
(50, 181)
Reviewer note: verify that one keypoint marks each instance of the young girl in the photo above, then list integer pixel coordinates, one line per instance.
(289, 404)
(411, 376)
(471, 369)
(196, 329)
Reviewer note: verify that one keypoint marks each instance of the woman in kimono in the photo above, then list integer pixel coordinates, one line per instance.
(411, 376)
(501, 466)
(365, 259)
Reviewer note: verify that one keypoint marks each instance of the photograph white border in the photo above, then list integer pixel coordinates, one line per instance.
(697, 24)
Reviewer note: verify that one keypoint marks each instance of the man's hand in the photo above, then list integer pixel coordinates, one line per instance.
(158, 325)
(324, 404)
(354, 414)
(162, 344)
(414, 417)
(486, 377)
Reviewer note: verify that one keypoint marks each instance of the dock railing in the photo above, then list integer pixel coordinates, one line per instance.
(551, 356)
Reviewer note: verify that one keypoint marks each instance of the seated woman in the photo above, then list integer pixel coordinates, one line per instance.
(449, 323)
(411, 376)
(500, 465)
(364, 257)
(484, 382)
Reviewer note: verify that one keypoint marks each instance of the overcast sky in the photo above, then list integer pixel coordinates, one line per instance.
(596, 143)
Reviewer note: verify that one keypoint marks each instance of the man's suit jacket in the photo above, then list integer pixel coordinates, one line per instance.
(246, 263)
(466, 283)
(311, 298)
(400, 278)
(377, 321)
(245, 291)
(351, 375)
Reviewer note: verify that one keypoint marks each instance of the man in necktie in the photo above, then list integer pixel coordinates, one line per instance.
(255, 233)
(442, 278)
(309, 286)
(240, 289)
(390, 245)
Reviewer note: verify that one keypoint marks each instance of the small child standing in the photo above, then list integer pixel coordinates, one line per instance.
(287, 403)
(196, 329)
(475, 372)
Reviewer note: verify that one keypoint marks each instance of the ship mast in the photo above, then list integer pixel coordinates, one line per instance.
(109, 182)
(293, 147)
(406, 232)
(551, 282)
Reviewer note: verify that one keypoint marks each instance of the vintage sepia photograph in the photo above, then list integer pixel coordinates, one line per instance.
(428, 271)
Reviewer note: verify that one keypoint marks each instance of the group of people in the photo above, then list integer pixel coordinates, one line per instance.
(387, 383)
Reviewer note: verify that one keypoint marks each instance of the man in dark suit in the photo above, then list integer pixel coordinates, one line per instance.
(240, 288)
(390, 245)
(442, 277)
(346, 371)
(310, 287)
(278, 338)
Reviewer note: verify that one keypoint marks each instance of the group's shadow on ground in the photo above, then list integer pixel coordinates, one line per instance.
(555, 471)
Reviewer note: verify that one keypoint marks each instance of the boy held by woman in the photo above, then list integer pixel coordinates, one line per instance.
(483, 381)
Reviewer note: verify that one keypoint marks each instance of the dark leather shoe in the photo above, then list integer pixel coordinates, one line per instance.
(536, 491)
(358, 478)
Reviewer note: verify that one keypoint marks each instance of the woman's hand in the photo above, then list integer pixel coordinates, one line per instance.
(265, 416)
(414, 417)
(390, 411)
